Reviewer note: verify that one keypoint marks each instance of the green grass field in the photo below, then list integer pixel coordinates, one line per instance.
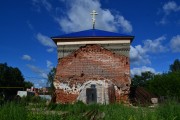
(169, 110)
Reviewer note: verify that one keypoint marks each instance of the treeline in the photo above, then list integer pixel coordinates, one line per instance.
(11, 80)
(165, 84)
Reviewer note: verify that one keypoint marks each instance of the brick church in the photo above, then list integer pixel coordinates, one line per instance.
(93, 67)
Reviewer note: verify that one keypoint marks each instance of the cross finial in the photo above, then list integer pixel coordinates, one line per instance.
(94, 13)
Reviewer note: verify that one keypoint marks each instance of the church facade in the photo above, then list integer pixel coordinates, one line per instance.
(93, 67)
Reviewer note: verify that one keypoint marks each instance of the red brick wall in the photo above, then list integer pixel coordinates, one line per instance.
(64, 97)
(93, 62)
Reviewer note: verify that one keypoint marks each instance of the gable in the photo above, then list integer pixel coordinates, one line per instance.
(94, 61)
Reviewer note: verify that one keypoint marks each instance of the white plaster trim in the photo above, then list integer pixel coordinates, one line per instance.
(101, 96)
(67, 88)
(100, 82)
(93, 42)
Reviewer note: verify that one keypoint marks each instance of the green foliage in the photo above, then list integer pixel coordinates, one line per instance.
(169, 110)
(78, 107)
(32, 99)
(13, 111)
(41, 116)
(167, 84)
(141, 80)
(78, 111)
(175, 67)
(11, 80)
(10, 77)
(28, 84)
(51, 76)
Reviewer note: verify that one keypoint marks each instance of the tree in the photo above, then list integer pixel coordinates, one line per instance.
(141, 80)
(175, 67)
(28, 84)
(11, 80)
(51, 76)
(166, 84)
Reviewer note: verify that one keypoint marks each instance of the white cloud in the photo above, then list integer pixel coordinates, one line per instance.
(175, 43)
(126, 26)
(41, 3)
(50, 50)
(139, 53)
(49, 64)
(155, 46)
(38, 71)
(138, 56)
(171, 6)
(27, 57)
(36, 6)
(78, 17)
(168, 8)
(46, 4)
(39, 83)
(44, 40)
(138, 71)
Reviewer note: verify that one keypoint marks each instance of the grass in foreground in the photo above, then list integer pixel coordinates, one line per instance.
(37, 111)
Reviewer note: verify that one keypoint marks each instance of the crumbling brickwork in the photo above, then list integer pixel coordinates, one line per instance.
(65, 97)
(92, 62)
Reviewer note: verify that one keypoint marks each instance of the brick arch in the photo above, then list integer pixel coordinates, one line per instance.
(101, 87)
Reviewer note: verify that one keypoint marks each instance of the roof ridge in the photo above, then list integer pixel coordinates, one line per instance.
(92, 33)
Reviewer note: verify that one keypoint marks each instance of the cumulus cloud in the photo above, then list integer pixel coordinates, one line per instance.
(27, 57)
(78, 17)
(171, 6)
(49, 64)
(138, 71)
(167, 9)
(175, 43)
(40, 72)
(46, 41)
(155, 46)
(126, 26)
(139, 53)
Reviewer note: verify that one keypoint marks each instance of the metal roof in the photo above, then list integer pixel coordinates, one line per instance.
(92, 33)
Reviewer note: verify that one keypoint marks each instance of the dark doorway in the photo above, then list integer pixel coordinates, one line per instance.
(91, 95)
(111, 92)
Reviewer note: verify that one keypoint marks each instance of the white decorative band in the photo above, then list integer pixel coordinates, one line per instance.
(93, 42)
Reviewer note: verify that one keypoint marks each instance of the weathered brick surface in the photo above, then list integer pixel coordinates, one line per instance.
(63, 97)
(93, 62)
(121, 97)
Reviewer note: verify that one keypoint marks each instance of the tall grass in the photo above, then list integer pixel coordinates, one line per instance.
(169, 110)
(13, 111)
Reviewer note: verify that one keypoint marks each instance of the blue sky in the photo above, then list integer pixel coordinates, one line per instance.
(27, 25)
